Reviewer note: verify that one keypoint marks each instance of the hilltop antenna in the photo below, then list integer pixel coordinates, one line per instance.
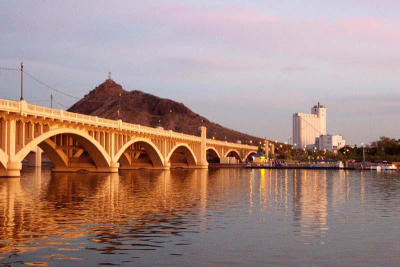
(109, 75)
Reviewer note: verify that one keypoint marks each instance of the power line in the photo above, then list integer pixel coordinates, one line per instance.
(62, 105)
(59, 91)
(50, 87)
(38, 100)
(12, 69)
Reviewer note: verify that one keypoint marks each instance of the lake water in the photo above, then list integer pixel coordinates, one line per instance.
(201, 218)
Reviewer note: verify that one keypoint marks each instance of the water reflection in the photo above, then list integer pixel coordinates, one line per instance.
(74, 217)
(310, 202)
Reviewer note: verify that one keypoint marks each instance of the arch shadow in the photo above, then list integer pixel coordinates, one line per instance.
(186, 154)
(248, 155)
(56, 156)
(233, 153)
(212, 155)
(97, 153)
(151, 149)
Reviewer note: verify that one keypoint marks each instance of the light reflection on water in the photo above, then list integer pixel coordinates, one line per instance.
(226, 216)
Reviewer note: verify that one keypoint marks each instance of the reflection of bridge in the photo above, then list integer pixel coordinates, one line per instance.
(79, 142)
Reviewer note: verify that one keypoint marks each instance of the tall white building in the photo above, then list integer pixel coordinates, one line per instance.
(307, 127)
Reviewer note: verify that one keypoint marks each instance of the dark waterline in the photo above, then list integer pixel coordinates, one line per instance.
(200, 217)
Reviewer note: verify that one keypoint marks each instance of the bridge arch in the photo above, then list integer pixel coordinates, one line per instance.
(56, 156)
(249, 154)
(213, 149)
(151, 149)
(233, 153)
(186, 150)
(215, 152)
(97, 153)
(125, 160)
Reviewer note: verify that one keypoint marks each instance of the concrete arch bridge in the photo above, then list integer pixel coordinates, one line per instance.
(76, 142)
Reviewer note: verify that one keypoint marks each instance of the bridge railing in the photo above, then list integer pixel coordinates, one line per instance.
(25, 108)
(160, 131)
(9, 105)
(65, 115)
(233, 145)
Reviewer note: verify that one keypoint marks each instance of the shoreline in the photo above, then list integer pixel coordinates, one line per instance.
(245, 166)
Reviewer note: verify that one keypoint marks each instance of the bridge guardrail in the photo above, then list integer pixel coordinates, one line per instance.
(24, 107)
(225, 143)
(14, 106)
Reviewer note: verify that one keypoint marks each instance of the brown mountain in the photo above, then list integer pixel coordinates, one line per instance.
(146, 109)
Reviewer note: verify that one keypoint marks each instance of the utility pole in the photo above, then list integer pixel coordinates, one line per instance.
(22, 81)
(51, 100)
(363, 152)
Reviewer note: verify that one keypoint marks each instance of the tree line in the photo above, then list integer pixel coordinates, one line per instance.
(384, 149)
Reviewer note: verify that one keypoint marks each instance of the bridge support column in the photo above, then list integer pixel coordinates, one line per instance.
(167, 166)
(13, 167)
(266, 148)
(36, 161)
(13, 170)
(273, 150)
(203, 164)
(114, 166)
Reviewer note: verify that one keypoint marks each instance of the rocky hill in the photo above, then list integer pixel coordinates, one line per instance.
(146, 109)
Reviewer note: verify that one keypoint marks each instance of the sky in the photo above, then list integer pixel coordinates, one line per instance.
(247, 65)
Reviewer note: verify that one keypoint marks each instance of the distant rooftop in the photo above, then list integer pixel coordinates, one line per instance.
(318, 106)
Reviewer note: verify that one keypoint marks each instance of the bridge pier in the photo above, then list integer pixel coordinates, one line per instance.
(91, 170)
(203, 164)
(200, 166)
(114, 168)
(13, 170)
(36, 159)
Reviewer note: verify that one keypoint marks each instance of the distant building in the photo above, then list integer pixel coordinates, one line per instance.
(308, 127)
(330, 142)
(259, 158)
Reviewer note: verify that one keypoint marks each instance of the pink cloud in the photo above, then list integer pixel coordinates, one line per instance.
(294, 68)
(213, 63)
(251, 27)
(251, 34)
(371, 28)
